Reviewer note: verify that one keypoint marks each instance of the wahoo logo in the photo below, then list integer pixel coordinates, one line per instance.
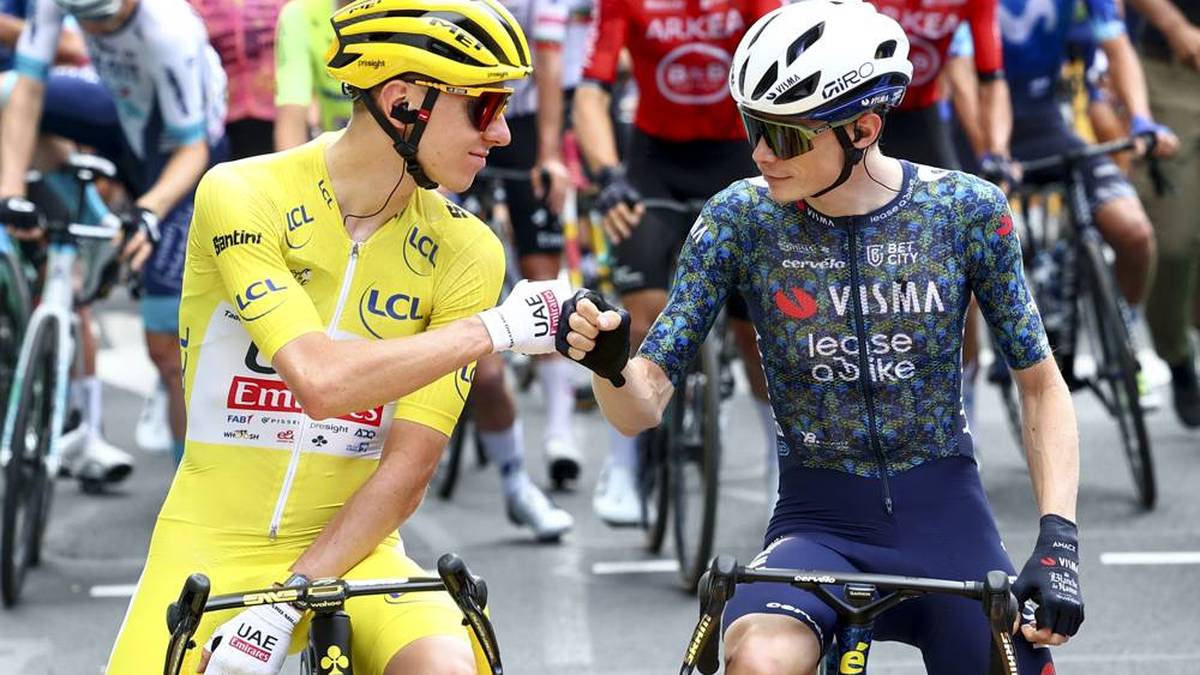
(420, 252)
(397, 307)
(248, 303)
(795, 303)
(298, 234)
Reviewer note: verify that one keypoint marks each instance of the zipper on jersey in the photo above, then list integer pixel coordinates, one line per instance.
(294, 462)
(864, 370)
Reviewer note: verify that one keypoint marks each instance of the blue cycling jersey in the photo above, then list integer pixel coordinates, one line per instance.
(881, 294)
(1035, 33)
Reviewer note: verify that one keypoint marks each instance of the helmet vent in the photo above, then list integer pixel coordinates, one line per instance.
(804, 42)
(886, 50)
(742, 75)
(760, 30)
(803, 89)
(767, 81)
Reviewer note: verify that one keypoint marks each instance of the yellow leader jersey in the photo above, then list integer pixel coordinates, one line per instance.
(269, 260)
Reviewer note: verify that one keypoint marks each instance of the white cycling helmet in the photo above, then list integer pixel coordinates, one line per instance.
(822, 60)
(90, 9)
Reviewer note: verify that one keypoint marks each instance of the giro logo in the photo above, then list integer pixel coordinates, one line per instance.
(298, 232)
(848, 79)
(795, 303)
(265, 290)
(397, 307)
(462, 380)
(420, 252)
(1005, 226)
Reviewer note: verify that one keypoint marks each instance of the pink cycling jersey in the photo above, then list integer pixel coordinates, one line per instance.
(243, 34)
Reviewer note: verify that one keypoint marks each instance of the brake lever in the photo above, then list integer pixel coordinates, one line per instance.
(183, 618)
(469, 592)
(716, 587)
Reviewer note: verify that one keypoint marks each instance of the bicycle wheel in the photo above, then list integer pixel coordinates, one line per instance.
(695, 461)
(653, 481)
(14, 311)
(1116, 366)
(27, 487)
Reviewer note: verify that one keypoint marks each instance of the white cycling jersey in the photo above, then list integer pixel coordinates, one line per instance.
(166, 80)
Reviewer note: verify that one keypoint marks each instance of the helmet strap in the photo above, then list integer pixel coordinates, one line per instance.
(407, 147)
(852, 156)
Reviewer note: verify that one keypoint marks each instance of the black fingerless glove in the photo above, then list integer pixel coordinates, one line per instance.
(614, 189)
(19, 213)
(611, 354)
(1051, 577)
(141, 219)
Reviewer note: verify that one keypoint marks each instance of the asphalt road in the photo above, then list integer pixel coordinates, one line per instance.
(596, 603)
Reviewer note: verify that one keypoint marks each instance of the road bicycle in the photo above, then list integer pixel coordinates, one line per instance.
(329, 635)
(1069, 271)
(16, 303)
(864, 598)
(40, 426)
(679, 462)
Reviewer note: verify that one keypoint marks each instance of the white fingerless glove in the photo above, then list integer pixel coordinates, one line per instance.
(528, 318)
(255, 642)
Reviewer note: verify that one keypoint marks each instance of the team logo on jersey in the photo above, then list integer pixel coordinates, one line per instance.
(256, 394)
(463, 379)
(260, 299)
(795, 303)
(891, 253)
(926, 60)
(235, 238)
(694, 74)
(299, 231)
(1005, 226)
(420, 252)
(374, 306)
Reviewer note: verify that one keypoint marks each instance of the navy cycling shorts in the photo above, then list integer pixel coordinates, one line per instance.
(942, 527)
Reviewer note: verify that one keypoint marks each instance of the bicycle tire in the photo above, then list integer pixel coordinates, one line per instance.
(695, 470)
(653, 481)
(27, 486)
(14, 314)
(1117, 366)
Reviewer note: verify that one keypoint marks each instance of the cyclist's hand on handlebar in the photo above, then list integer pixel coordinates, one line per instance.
(1165, 141)
(554, 190)
(255, 642)
(22, 218)
(141, 234)
(620, 203)
(595, 334)
(1000, 170)
(1051, 579)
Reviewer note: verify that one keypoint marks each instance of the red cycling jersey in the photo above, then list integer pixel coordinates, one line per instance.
(681, 53)
(930, 24)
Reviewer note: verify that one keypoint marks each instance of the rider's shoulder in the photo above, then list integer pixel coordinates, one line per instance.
(455, 229)
(959, 187)
(740, 195)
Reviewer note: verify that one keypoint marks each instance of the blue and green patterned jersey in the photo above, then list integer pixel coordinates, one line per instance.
(882, 294)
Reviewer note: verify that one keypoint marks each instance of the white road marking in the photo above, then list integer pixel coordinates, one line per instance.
(636, 566)
(567, 643)
(112, 591)
(1151, 558)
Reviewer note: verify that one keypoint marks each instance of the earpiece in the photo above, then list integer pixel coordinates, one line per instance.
(858, 133)
(402, 114)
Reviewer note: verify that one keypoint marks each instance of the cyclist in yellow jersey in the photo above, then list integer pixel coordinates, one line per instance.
(302, 36)
(333, 305)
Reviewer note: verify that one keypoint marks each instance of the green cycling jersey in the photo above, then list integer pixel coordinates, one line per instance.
(304, 35)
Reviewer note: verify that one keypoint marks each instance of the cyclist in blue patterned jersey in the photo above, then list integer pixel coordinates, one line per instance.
(857, 269)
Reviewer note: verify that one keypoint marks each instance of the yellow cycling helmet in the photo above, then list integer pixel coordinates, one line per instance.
(455, 42)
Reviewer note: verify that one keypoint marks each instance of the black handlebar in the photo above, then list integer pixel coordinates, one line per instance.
(468, 591)
(1076, 155)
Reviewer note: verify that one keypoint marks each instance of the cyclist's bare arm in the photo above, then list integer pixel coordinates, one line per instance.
(18, 133)
(1182, 35)
(594, 126)
(547, 76)
(638, 405)
(1051, 437)
(959, 74)
(380, 505)
(996, 118)
(1129, 81)
(291, 126)
(337, 377)
(70, 44)
(178, 179)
